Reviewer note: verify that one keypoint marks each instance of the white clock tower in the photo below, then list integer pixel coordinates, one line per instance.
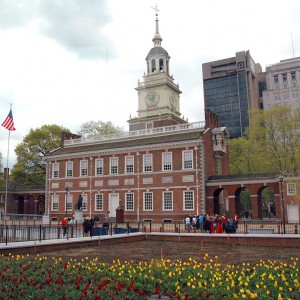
(158, 96)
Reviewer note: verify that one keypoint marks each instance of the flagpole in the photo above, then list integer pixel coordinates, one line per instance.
(8, 124)
(6, 179)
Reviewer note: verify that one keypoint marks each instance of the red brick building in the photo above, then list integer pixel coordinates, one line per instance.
(155, 171)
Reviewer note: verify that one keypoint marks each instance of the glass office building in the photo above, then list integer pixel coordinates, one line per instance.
(231, 89)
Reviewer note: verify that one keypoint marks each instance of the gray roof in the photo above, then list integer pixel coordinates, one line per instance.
(158, 51)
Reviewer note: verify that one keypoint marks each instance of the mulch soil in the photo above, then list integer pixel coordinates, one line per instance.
(156, 250)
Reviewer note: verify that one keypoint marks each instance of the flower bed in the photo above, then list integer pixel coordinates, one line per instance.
(23, 277)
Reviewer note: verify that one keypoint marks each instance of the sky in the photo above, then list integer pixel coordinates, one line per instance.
(68, 62)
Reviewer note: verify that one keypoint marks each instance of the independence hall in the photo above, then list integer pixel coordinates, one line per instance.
(156, 171)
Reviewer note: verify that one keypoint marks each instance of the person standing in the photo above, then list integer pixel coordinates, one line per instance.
(236, 221)
(86, 226)
(64, 225)
(188, 225)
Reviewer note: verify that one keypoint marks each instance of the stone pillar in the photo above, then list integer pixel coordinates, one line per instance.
(78, 216)
(46, 219)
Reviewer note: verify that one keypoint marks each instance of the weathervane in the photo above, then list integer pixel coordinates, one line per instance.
(156, 10)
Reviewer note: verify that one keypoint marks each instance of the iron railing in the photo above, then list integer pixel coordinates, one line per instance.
(23, 233)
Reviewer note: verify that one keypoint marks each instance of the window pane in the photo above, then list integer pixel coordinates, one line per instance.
(167, 161)
(99, 166)
(54, 205)
(113, 165)
(99, 202)
(69, 168)
(188, 159)
(168, 201)
(69, 202)
(83, 167)
(129, 202)
(188, 200)
(129, 164)
(148, 202)
(55, 170)
(147, 162)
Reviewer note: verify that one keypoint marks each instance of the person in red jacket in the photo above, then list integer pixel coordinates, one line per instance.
(236, 221)
(64, 225)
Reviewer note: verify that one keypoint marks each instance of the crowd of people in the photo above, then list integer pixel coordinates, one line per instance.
(88, 225)
(211, 224)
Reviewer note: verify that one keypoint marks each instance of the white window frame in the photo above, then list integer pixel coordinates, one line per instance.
(147, 162)
(167, 161)
(55, 170)
(168, 201)
(55, 203)
(291, 188)
(129, 164)
(99, 202)
(188, 200)
(98, 166)
(113, 165)
(84, 167)
(69, 202)
(129, 201)
(187, 159)
(69, 169)
(148, 201)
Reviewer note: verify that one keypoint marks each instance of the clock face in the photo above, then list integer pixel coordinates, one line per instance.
(152, 98)
(173, 101)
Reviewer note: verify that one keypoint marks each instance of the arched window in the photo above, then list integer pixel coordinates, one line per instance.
(153, 65)
(161, 64)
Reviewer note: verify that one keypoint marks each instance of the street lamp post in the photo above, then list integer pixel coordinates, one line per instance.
(280, 178)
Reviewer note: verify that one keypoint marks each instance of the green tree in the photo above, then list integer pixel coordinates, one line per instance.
(92, 128)
(276, 132)
(30, 167)
(244, 158)
(271, 144)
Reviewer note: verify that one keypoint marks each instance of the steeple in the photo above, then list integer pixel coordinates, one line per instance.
(157, 58)
(157, 38)
(158, 95)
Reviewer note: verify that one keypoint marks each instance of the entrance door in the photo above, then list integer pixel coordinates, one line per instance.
(113, 204)
(293, 213)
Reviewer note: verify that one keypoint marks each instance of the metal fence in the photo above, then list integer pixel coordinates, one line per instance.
(23, 233)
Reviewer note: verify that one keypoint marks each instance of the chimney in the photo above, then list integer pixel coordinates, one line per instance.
(211, 119)
(6, 174)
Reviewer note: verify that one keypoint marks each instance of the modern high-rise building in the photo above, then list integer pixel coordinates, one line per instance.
(283, 84)
(231, 89)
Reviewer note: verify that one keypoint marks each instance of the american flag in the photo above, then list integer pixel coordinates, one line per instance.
(9, 122)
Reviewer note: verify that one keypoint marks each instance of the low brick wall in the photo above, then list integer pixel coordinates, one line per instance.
(236, 239)
(273, 240)
(45, 246)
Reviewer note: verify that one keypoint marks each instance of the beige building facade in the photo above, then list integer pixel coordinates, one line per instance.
(283, 84)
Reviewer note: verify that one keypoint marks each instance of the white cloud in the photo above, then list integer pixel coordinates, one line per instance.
(70, 62)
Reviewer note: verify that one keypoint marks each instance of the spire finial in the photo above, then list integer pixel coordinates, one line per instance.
(156, 10)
